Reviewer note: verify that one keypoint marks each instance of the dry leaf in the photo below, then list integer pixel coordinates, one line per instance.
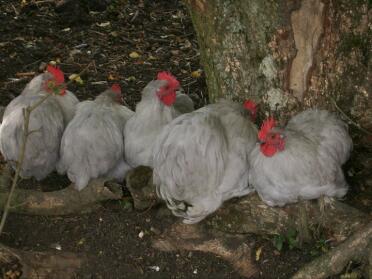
(111, 77)
(131, 78)
(114, 34)
(258, 254)
(134, 55)
(104, 24)
(24, 3)
(76, 78)
(196, 74)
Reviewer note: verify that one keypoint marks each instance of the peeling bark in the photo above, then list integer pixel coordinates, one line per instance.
(307, 27)
(288, 55)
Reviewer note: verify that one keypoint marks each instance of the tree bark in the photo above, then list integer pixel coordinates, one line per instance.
(288, 54)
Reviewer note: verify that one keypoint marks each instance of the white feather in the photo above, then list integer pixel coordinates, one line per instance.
(46, 125)
(316, 145)
(93, 142)
(201, 160)
(149, 119)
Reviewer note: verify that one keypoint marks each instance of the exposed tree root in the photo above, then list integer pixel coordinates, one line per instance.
(231, 248)
(250, 215)
(62, 202)
(354, 248)
(42, 265)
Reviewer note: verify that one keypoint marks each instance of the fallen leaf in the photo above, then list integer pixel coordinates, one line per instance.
(134, 55)
(81, 241)
(131, 78)
(104, 24)
(114, 34)
(111, 77)
(152, 57)
(258, 253)
(196, 74)
(66, 29)
(76, 78)
(24, 3)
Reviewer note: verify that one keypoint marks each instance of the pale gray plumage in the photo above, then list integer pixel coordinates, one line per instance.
(46, 125)
(202, 159)
(317, 143)
(93, 142)
(150, 117)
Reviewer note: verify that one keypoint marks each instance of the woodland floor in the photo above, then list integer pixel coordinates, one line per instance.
(161, 33)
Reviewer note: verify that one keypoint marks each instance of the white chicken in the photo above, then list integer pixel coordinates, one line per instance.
(202, 159)
(46, 125)
(93, 143)
(301, 161)
(159, 105)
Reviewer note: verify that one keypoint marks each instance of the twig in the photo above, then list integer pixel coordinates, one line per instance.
(349, 119)
(26, 116)
(25, 74)
(15, 10)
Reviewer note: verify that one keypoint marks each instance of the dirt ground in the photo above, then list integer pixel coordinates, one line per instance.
(129, 42)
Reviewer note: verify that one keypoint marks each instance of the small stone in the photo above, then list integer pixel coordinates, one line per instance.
(141, 234)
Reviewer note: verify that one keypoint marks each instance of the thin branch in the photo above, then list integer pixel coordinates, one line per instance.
(26, 116)
(349, 119)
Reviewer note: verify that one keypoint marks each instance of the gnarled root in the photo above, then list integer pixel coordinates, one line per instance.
(62, 202)
(41, 265)
(232, 248)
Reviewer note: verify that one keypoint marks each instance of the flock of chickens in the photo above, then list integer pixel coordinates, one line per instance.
(200, 158)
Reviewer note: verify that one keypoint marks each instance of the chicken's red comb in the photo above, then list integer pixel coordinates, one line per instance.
(250, 105)
(267, 125)
(116, 88)
(173, 83)
(57, 74)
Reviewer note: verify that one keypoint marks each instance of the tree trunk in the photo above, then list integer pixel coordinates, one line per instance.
(287, 54)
